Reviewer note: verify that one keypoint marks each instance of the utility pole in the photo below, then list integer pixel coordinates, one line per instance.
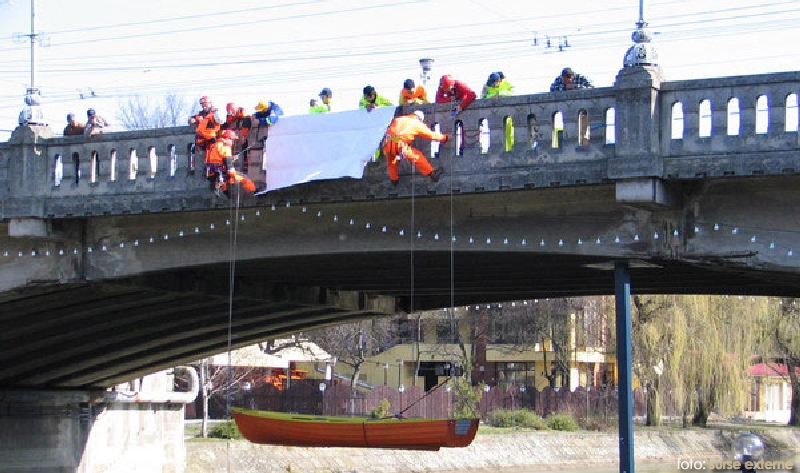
(32, 114)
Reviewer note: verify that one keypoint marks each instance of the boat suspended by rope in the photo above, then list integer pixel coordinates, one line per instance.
(297, 430)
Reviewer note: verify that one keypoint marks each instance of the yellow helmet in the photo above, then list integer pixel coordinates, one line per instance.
(262, 105)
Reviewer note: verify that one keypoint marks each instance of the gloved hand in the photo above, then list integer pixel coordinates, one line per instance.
(445, 139)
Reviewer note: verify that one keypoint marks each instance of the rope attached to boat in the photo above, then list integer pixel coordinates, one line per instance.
(399, 415)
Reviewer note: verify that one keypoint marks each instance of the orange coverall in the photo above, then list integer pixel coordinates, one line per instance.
(216, 157)
(401, 132)
(207, 129)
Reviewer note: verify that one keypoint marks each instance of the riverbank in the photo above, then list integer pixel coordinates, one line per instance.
(490, 451)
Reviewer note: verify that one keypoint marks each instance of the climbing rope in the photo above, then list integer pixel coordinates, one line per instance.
(232, 241)
(399, 415)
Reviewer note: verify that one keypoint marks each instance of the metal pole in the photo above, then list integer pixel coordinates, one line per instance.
(641, 11)
(33, 44)
(622, 292)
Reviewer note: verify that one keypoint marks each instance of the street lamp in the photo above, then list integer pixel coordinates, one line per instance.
(401, 389)
(322, 387)
(426, 64)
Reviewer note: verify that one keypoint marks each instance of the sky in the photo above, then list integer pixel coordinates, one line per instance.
(100, 54)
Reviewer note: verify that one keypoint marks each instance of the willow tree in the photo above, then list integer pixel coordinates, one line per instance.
(783, 338)
(659, 347)
(697, 349)
(722, 334)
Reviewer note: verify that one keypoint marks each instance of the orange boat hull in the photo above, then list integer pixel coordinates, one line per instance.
(311, 431)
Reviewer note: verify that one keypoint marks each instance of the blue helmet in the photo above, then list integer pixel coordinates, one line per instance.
(493, 79)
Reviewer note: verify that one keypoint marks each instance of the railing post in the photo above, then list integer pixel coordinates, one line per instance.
(637, 149)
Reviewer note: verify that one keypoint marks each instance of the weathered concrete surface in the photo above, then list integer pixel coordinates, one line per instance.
(541, 450)
(78, 432)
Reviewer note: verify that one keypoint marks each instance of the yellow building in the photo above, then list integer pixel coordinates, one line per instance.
(526, 343)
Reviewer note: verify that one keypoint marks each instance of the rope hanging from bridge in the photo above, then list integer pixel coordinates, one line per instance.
(451, 309)
(232, 240)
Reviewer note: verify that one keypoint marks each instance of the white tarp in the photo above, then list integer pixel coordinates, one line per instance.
(304, 148)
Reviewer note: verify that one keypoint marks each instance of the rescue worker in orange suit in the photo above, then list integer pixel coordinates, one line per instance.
(236, 120)
(206, 123)
(218, 160)
(451, 90)
(396, 145)
(235, 178)
(412, 94)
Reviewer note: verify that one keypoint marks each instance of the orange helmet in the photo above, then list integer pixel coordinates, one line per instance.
(230, 108)
(229, 135)
(446, 82)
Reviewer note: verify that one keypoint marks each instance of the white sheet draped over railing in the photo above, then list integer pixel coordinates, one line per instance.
(305, 148)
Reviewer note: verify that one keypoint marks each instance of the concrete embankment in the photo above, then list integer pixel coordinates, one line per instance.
(544, 450)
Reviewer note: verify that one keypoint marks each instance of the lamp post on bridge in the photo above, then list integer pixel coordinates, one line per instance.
(32, 113)
(426, 64)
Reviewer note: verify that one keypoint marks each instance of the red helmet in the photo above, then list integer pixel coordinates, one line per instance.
(446, 82)
(229, 135)
(230, 108)
(204, 100)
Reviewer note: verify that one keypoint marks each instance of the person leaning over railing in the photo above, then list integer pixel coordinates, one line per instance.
(413, 94)
(73, 128)
(568, 80)
(94, 123)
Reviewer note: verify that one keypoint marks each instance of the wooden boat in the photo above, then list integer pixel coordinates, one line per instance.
(277, 428)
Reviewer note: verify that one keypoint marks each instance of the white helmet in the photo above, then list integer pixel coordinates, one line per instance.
(420, 115)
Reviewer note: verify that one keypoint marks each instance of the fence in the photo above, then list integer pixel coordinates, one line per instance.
(320, 397)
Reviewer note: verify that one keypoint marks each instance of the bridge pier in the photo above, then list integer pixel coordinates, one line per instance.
(92, 432)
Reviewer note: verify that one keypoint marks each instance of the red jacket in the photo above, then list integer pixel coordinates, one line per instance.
(460, 93)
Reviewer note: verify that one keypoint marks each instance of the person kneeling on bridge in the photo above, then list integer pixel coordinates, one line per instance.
(400, 133)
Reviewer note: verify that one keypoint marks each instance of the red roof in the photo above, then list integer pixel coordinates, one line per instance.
(770, 369)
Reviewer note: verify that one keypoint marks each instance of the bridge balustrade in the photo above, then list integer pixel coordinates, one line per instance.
(642, 127)
(733, 115)
(551, 127)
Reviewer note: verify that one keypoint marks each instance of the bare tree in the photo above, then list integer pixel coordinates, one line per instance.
(219, 379)
(144, 112)
(352, 344)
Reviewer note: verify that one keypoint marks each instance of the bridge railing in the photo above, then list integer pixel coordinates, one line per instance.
(135, 161)
(553, 127)
(730, 115)
(641, 127)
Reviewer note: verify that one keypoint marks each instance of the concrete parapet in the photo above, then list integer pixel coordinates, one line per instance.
(579, 137)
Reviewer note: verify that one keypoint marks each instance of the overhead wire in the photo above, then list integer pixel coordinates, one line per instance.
(512, 47)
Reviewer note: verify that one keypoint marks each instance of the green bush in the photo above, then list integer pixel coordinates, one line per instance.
(382, 411)
(499, 418)
(515, 418)
(598, 422)
(224, 430)
(529, 419)
(561, 422)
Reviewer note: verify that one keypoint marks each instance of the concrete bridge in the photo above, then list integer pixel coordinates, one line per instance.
(117, 232)
(115, 259)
